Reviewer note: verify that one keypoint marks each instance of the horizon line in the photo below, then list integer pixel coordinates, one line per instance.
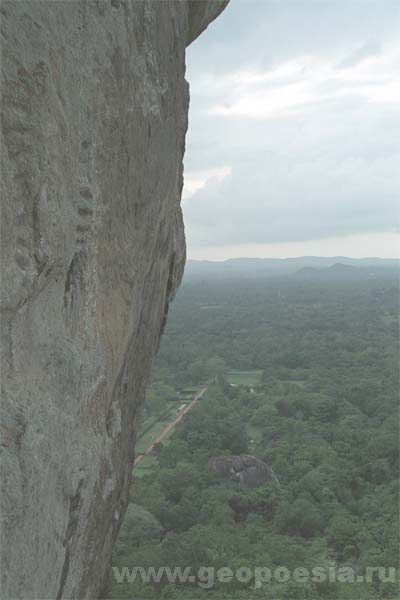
(304, 256)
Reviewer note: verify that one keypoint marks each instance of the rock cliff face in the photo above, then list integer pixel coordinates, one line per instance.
(94, 115)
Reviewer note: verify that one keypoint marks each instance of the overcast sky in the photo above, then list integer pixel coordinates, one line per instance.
(294, 130)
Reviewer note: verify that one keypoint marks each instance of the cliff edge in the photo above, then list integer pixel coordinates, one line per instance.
(94, 116)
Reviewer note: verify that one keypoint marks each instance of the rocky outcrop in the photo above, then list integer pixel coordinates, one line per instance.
(245, 469)
(94, 115)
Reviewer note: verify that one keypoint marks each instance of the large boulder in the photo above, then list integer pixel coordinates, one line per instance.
(245, 469)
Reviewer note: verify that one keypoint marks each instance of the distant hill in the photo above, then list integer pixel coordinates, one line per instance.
(267, 267)
(346, 271)
(342, 268)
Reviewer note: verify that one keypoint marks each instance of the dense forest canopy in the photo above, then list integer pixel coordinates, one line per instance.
(302, 373)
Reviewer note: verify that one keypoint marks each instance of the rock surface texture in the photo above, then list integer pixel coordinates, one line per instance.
(94, 115)
(245, 469)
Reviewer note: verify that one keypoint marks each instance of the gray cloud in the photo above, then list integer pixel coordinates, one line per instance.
(293, 134)
(370, 48)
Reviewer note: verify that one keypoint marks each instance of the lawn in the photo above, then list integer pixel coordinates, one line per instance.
(152, 428)
(145, 465)
(238, 377)
(190, 391)
(150, 436)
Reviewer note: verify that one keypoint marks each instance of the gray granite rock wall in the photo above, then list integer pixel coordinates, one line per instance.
(94, 116)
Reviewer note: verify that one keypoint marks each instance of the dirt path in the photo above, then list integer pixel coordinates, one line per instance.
(170, 426)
